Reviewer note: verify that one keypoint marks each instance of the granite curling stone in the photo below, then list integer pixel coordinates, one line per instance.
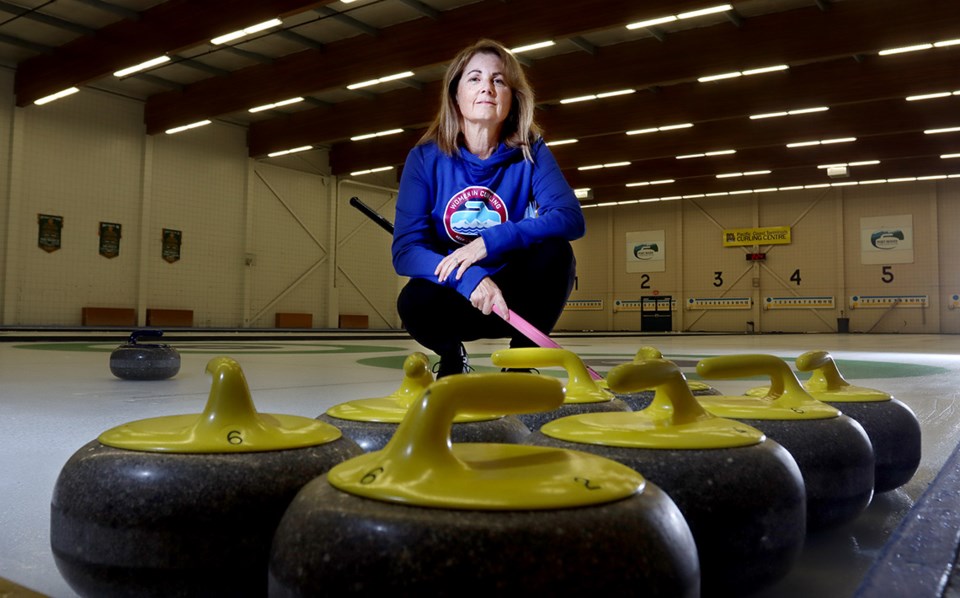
(833, 451)
(425, 517)
(372, 422)
(639, 400)
(134, 360)
(582, 393)
(892, 426)
(741, 493)
(186, 505)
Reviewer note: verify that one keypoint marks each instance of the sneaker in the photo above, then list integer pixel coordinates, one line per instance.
(453, 363)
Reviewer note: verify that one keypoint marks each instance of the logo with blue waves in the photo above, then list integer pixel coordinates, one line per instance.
(471, 211)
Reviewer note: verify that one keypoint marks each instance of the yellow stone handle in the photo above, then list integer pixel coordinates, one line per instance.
(422, 441)
(416, 378)
(580, 386)
(666, 378)
(785, 388)
(826, 376)
(647, 352)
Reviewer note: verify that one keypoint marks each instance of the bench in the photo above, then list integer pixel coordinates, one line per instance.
(354, 321)
(170, 317)
(293, 320)
(108, 316)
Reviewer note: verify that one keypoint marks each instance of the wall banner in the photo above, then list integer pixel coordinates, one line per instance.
(886, 240)
(109, 239)
(645, 251)
(48, 233)
(768, 235)
(171, 245)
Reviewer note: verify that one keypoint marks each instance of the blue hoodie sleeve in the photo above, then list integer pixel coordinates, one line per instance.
(558, 211)
(416, 248)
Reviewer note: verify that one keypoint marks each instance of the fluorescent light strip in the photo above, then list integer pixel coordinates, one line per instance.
(607, 165)
(947, 42)
(529, 47)
(302, 148)
(930, 96)
(597, 96)
(180, 129)
(276, 105)
(842, 164)
(380, 80)
(946, 130)
(562, 142)
(684, 15)
(142, 66)
(56, 96)
(663, 128)
(949, 156)
(229, 37)
(647, 183)
(378, 134)
(821, 142)
(746, 73)
(789, 112)
(371, 170)
(905, 49)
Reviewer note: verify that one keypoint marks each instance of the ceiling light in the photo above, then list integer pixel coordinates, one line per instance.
(276, 105)
(720, 76)
(371, 170)
(720, 153)
(607, 165)
(182, 128)
(562, 142)
(652, 22)
(646, 183)
(302, 148)
(864, 163)
(378, 134)
(904, 49)
(929, 96)
(945, 43)
(584, 193)
(619, 92)
(246, 31)
(56, 96)
(705, 11)
(663, 128)
(380, 80)
(765, 69)
(905, 179)
(808, 110)
(768, 115)
(946, 130)
(932, 177)
(793, 188)
(821, 142)
(948, 156)
(643, 131)
(578, 99)
(535, 46)
(142, 66)
(873, 182)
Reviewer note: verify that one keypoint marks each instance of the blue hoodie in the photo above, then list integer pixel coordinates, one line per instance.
(446, 202)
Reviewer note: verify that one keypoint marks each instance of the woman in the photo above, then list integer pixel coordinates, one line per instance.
(484, 216)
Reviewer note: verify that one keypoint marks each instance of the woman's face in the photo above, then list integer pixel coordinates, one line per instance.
(483, 96)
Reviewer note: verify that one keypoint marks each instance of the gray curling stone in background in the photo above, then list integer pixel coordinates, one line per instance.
(581, 394)
(833, 451)
(372, 422)
(741, 493)
(134, 360)
(639, 400)
(186, 505)
(427, 517)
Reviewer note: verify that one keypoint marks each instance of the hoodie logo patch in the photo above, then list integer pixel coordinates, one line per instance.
(471, 211)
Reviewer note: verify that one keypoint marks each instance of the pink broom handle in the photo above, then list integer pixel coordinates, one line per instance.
(532, 333)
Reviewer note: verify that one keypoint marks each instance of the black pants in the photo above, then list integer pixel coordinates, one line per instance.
(535, 283)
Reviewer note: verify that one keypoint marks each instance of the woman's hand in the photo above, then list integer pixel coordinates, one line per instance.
(487, 295)
(461, 259)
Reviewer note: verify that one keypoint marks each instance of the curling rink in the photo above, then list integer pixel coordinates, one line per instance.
(57, 394)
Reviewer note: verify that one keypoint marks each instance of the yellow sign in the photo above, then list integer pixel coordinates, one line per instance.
(770, 235)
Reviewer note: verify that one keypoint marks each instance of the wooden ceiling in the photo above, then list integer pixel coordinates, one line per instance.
(831, 48)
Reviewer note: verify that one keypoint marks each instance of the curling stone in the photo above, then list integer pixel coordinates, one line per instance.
(741, 493)
(892, 426)
(582, 394)
(372, 422)
(639, 400)
(186, 505)
(425, 517)
(832, 450)
(144, 361)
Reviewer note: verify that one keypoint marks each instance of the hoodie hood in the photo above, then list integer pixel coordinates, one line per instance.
(482, 169)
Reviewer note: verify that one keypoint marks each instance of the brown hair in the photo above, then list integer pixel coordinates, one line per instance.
(519, 129)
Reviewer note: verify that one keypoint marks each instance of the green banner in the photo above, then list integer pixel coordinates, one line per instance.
(48, 233)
